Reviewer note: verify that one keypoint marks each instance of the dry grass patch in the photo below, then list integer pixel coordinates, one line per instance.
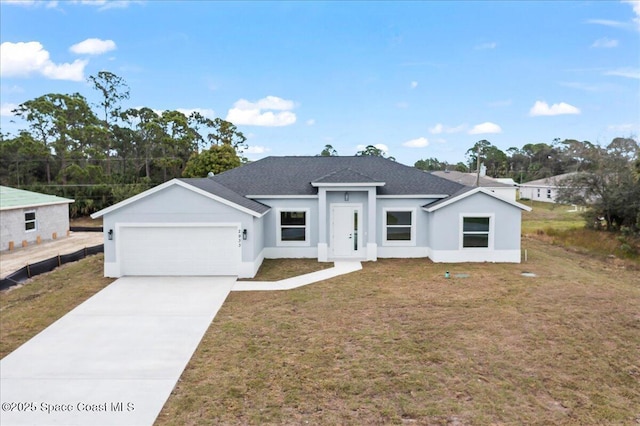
(280, 269)
(544, 215)
(30, 308)
(397, 343)
(85, 221)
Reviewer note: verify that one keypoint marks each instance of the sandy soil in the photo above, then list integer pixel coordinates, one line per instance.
(11, 261)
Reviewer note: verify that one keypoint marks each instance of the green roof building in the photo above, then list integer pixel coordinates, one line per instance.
(28, 217)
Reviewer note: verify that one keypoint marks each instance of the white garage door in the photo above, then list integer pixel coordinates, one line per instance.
(178, 250)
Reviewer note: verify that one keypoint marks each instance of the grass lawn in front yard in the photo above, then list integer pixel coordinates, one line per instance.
(397, 342)
(31, 307)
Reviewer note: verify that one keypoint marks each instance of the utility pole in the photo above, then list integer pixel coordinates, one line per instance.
(478, 167)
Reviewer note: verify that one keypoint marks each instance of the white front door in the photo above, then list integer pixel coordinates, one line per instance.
(346, 239)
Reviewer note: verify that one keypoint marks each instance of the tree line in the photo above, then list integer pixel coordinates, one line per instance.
(101, 154)
(605, 178)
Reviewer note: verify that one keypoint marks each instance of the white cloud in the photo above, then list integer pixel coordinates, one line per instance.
(607, 23)
(100, 4)
(543, 108)
(205, 112)
(253, 114)
(605, 43)
(382, 147)
(257, 150)
(93, 46)
(5, 109)
(416, 143)
(579, 86)
(23, 59)
(625, 72)
(484, 46)
(414, 84)
(310, 122)
(635, 4)
(20, 2)
(441, 128)
(106, 4)
(486, 127)
(270, 102)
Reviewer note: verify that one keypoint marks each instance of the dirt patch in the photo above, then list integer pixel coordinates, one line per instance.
(11, 261)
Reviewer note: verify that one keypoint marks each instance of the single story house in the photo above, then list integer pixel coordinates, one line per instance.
(545, 190)
(326, 208)
(29, 217)
(503, 189)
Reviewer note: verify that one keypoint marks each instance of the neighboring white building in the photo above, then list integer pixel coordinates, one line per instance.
(505, 188)
(545, 190)
(29, 217)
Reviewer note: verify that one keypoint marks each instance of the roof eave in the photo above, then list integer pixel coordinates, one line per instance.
(342, 184)
(182, 184)
(470, 193)
(47, 203)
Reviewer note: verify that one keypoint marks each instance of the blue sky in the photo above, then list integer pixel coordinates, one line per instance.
(418, 79)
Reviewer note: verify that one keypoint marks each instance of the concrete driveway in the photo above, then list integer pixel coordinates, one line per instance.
(114, 359)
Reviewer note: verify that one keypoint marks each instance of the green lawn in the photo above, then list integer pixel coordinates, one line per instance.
(545, 215)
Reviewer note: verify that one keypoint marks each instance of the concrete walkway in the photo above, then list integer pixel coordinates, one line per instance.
(339, 268)
(113, 360)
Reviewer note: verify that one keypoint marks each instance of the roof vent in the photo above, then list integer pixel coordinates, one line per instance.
(211, 174)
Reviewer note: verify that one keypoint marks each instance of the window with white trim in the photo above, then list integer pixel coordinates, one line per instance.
(293, 227)
(476, 232)
(399, 226)
(549, 194)
(30, 223)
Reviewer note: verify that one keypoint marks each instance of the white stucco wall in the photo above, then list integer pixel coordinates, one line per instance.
(545, 194)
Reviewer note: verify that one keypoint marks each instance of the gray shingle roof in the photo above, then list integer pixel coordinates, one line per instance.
(469, 179)
(294, 175)
(461, 191)
(212, 187)
(346, 176)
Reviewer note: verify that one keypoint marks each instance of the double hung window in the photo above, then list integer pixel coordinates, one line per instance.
(293, 227)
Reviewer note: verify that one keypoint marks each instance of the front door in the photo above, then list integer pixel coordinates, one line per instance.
(346, 239)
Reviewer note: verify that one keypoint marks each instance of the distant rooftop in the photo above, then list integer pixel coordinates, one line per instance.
(12, 198)
(469, 179)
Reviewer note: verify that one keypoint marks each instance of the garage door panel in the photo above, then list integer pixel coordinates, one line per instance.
(179, 250)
